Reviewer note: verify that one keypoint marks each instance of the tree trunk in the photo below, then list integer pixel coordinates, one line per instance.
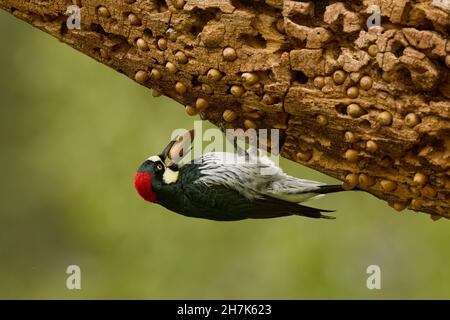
(367, 106)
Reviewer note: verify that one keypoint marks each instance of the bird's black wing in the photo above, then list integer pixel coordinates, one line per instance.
(218, 202)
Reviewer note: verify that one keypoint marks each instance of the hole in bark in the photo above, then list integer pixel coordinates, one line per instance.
(319, 8)
(202, 17)
(299, 77)
(161, 5)
(365, 124)
(341, 108)
(257, 42)
(97, 28)
(148, 34)
(63, 28)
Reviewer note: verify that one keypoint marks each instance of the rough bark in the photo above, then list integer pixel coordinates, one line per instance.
(369, 107)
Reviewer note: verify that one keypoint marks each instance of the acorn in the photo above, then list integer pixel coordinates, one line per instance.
(351, 181)
(249, 124)
(201, 104)
(171, 67)
(162, 44)
(412, 120)
(141, 76)
(229, 54)
(351, 155)
(321, 120)
(103, 12)
(268, 99)
(319, 82)
(229, 115)
(304, 155)
(133, 19)
(420, 179)
(155, 74)
(156, 93)
(435, 217)
(353, 92)
(249, 78)
(237, 90)
(142, 44)
(371, 146)
(385, 118)
(366, 83)
(373, 50)
(366, 181)
(339, 77)
(355, 111)
(171, 34)
(178, 4)
(190, 110)
(388, 185)
(206, 88)
(214, 75)
(399, 206)
(181, 57)
(180, 87)
(350, 137)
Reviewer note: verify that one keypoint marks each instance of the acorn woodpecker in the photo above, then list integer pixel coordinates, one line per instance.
(227, 187)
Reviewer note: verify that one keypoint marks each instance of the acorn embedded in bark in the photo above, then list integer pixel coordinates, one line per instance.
(162, 44)
(366, 181)
(214, 75)
(420, 179)
(141, 76)
(181, 57)
(388, 185)
(353, 92)
(385, 118)
(304, 155)
(190, 110)
(319, 82)
(237, 90)
(201, 103)
(412, 120)
(355, 111)
(155, 74)
(171, 67)
(180, 87)
(351, 181)
(103, 12)
(229, 115)
(229, 54)
(339, 77)
(142, 44)
(351, 155)
(249, 78)
(366, 82)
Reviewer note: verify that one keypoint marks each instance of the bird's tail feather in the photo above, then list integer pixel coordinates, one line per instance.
(329, 188)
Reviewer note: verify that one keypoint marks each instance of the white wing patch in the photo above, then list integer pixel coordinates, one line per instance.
(244, 175)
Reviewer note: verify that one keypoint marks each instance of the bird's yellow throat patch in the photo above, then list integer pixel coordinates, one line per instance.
(170, 176)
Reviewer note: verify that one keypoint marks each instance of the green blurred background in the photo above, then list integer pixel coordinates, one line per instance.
(72, 133)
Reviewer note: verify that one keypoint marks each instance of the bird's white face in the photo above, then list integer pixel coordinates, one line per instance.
(169, 176)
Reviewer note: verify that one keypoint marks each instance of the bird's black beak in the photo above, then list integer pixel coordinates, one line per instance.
(177, 148)
(166, 150)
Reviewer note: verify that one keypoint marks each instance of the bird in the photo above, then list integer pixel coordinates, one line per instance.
(226, 186)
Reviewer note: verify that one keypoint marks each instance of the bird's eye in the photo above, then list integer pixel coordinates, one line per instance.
(159, 167)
